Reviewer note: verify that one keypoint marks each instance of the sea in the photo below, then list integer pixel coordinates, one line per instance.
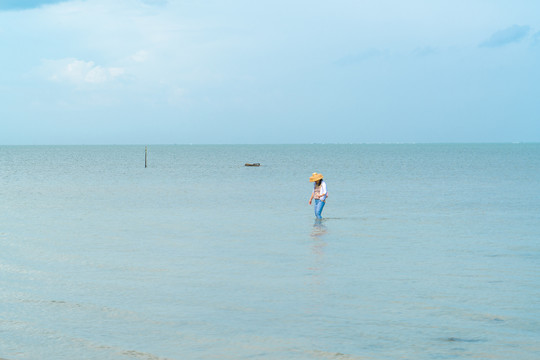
(425, 251)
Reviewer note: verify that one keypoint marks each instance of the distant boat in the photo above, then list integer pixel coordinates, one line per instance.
(252, 164)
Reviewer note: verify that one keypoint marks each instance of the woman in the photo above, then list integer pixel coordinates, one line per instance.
(319, 193)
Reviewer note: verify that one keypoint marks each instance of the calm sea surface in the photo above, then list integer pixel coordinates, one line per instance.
(425, 252)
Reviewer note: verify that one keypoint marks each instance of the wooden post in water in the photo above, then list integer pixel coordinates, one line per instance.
(145, 156)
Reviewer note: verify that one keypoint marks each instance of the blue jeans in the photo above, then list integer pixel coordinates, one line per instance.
(318, 208)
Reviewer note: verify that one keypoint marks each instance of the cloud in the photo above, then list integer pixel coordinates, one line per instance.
(140, 56)
(79, 72)
(513, 34)
(26, 4)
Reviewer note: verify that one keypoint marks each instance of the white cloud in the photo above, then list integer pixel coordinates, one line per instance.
(140, 56)
(79, 71)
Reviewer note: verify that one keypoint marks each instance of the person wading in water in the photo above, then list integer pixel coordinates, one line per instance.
(319, 194)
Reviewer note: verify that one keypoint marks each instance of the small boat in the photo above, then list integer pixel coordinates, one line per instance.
(252, 164)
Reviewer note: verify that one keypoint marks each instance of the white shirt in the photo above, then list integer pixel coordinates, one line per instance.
(322, 195)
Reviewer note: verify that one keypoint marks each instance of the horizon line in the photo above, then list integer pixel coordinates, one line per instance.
(281, 144)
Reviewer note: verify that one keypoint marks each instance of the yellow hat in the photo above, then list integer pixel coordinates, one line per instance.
(315, 177)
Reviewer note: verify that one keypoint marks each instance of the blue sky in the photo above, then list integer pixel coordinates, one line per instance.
(239, 71)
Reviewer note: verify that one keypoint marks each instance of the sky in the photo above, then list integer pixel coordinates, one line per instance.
(250, 72)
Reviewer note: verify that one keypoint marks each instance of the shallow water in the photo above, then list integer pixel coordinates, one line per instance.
(425, 252)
